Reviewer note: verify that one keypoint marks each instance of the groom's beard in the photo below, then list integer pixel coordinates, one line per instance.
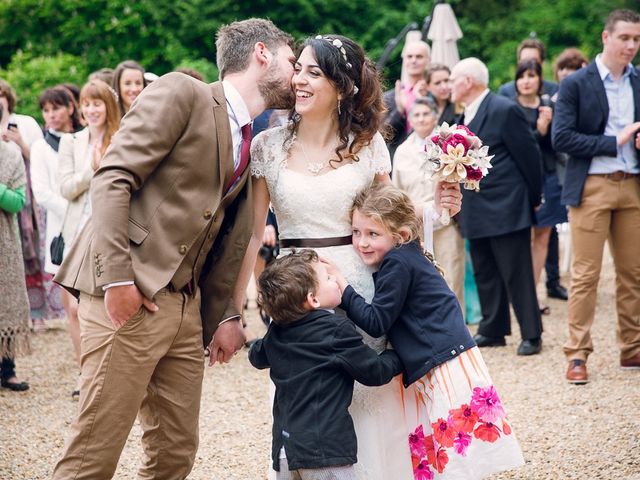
(276, 91)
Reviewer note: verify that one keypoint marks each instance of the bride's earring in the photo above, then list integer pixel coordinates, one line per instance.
(339, 112)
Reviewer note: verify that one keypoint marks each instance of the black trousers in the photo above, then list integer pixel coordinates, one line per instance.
(503, 271)
(552, 264)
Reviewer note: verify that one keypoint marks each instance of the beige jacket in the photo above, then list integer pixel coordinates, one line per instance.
(74, 174)
(158, 188)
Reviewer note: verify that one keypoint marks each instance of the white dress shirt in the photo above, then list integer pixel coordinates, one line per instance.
(471, 110)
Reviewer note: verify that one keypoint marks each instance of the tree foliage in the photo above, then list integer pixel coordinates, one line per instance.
(164, 34)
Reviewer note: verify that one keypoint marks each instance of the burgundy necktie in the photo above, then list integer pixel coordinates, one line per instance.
(245, 148)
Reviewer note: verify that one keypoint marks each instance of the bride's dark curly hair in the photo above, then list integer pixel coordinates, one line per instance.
(361, 113)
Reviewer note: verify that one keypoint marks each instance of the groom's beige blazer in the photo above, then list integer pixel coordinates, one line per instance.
(159, 202)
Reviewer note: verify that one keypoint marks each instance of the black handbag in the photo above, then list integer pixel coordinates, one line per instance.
(57, 244)
(57, 249)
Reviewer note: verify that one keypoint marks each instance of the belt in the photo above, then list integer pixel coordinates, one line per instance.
(615, 176)
(314, 242)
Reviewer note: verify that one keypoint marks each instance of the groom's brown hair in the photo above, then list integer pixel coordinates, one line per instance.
(235, 42)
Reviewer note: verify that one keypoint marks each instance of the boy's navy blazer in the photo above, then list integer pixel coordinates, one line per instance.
(313, 363)
(417, 310)
(579, 121)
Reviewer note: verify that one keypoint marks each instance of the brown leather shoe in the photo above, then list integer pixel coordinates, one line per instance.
(577, 372)
(632, 363)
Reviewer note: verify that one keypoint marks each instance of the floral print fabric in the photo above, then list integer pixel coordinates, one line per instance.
(461, 426)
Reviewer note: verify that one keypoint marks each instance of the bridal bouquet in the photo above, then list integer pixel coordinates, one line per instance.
(456, 155)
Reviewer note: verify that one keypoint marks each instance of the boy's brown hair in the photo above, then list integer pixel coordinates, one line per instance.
(284, 285)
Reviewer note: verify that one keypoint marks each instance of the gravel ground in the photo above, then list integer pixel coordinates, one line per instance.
(566, 432)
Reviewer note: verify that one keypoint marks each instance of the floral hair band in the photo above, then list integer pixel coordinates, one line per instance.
(336, 42)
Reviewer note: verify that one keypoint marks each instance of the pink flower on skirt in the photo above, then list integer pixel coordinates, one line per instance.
(421, 471)
(486, 403)
(461, 443)
(416, 442)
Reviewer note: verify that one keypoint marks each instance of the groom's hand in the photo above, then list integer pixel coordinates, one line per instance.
(228, 339)
(122, 302)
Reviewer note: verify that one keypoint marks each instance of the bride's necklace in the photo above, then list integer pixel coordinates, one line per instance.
(312, 167)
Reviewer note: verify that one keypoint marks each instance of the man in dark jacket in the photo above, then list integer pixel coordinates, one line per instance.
(497, 220)
(314, 356)
(597, 121)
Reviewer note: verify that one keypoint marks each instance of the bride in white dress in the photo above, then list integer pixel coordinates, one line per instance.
(310, 172)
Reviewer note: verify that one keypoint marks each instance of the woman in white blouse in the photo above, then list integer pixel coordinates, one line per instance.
(80, 156)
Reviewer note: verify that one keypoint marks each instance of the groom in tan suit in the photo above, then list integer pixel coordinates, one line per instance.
(155, 266)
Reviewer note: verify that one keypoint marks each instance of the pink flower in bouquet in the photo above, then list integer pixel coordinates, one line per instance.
(473, 173)
(455, 140)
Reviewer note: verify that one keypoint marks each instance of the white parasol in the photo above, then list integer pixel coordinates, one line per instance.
(444, 32)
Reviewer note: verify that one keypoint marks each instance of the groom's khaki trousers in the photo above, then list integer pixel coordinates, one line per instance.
(152, 365)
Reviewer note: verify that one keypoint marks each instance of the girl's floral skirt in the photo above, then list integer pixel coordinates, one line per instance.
(459, 427)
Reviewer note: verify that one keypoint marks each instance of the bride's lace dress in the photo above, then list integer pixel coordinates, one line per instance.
(309, 206)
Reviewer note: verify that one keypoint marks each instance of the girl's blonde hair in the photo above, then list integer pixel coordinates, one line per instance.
(390, 207)
(99, 90)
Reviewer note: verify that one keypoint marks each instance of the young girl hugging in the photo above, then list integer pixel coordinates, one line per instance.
(459, 427)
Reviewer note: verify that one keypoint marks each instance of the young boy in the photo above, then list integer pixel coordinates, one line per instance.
(314, 356)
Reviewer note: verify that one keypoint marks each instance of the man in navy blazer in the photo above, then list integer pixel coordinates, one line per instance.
(597, 119)
(497, 220)
(533, 49)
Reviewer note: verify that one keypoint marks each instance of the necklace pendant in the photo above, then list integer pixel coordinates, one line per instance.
(315, 168)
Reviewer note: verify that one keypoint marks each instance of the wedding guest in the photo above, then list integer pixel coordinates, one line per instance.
(412, 175)
(14, 304)
(128, 82)
(597, 123)
(422, 318)
(497, 220)
(313, 356)
(19, 129)
(540, 114)
(529, 49)
(79, 158)
(569, 61)
(61, 116)
(104, 74)
(416, 56)
(534, 49)
(439, 88)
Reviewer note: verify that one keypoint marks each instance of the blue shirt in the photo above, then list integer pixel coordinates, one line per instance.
(621, 113)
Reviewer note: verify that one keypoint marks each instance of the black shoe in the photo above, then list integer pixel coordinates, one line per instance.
(15, 386)
(530, 347)
(483, 341)
(555, 290)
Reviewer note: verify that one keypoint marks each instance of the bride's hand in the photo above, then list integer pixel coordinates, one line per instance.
(449, 196)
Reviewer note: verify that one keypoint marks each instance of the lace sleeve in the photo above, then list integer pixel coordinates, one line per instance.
(381, 161)
(259, 158)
